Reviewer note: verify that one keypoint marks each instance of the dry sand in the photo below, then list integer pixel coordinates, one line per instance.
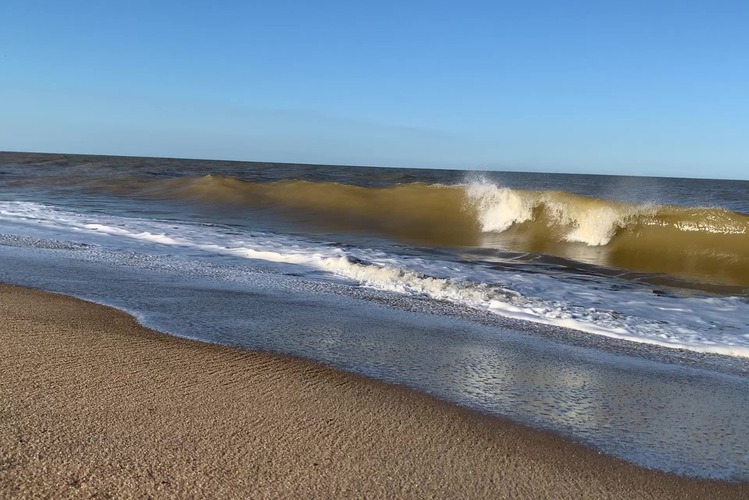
(94, 405)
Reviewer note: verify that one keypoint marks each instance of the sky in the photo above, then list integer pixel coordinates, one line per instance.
(655, 87)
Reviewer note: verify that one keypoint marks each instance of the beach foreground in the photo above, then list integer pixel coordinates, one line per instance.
(92, 404)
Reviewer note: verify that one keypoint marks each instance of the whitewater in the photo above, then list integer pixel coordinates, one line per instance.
(703, 324)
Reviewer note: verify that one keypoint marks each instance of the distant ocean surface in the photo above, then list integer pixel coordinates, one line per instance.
(652, 261)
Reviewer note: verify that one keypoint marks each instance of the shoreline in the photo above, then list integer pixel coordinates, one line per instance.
(94, 403)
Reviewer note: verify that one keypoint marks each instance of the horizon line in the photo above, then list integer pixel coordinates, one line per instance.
(503, 170)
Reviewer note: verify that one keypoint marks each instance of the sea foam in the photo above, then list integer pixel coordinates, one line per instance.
(703, 324)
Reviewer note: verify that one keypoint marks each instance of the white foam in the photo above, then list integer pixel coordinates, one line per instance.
(712, 324)
(499, 208)
(594, 226)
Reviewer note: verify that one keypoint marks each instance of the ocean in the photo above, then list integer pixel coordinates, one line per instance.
(613, 310)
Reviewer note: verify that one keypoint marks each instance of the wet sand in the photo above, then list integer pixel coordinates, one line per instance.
(92, 404)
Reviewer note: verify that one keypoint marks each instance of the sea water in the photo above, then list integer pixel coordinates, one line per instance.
(610, 309)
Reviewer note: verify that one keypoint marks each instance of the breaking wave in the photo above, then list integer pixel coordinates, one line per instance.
(706, 244)
(702, 324)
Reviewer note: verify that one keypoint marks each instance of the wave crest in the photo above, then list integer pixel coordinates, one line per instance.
(708, 244)
(573, 218)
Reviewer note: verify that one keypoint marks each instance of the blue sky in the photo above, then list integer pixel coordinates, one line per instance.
(637, 87)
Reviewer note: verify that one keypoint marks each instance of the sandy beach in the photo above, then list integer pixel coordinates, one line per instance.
(94, 405)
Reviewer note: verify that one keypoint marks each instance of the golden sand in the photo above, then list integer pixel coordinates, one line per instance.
(94, 405)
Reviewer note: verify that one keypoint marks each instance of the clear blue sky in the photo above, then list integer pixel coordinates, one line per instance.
(653, 87)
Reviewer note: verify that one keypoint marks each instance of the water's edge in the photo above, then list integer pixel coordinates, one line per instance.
(482, 367)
